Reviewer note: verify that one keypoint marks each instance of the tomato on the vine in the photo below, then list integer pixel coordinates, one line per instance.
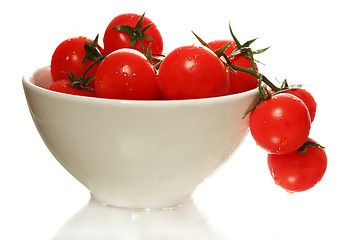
(217, 44)
(68, 56)
(242, 81)
(239, 81)
(126, 74)
(191, 72)
(280, 124)
(116, 39)
(298, 171)
(64, 86)
(307, 98)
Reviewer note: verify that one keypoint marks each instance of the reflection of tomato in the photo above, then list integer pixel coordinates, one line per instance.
(63, 86)
(191, 72)
(68, 56)
(297, 171)
(280, 124)
(126, 74)
(116, 39)
(241, 81)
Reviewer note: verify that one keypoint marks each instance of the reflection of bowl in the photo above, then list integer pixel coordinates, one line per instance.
(94, 221)
(137, 154)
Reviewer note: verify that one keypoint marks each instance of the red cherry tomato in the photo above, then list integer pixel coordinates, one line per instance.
(307, 98)
(297, 171)
(126, 74)
(68, 56)
(241, 81)
(63, 86)
(280, 124)
(216, 44)
(115, 39)
(191, 72)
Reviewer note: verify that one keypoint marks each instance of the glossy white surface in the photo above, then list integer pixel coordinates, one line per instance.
(138, 154)
(312, 42)
(186, 222)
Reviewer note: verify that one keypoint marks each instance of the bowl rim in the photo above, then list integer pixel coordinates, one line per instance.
(28, 84)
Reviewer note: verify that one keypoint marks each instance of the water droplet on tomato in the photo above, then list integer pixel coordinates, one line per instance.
(278, 113)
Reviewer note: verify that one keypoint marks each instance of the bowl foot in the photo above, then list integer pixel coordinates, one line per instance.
(179, 204)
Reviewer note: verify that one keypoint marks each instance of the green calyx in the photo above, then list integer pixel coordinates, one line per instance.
(150, 56)
(92, 53)
(308, 144)
(136, 33)
(80, 83)
(245, 49)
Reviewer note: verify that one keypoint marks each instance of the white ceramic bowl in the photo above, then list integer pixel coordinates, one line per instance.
(137, 154)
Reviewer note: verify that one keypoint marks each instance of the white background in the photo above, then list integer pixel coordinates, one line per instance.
(312, 42)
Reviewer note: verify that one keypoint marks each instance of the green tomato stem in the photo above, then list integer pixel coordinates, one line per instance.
(253, 72)
(82, 78)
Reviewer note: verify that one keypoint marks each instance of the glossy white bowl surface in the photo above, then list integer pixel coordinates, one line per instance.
(137, 154)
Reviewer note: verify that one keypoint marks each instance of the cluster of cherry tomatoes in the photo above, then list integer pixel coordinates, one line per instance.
(281, 124)
(131, 66)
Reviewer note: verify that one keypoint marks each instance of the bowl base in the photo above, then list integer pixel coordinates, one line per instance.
(165, 208)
